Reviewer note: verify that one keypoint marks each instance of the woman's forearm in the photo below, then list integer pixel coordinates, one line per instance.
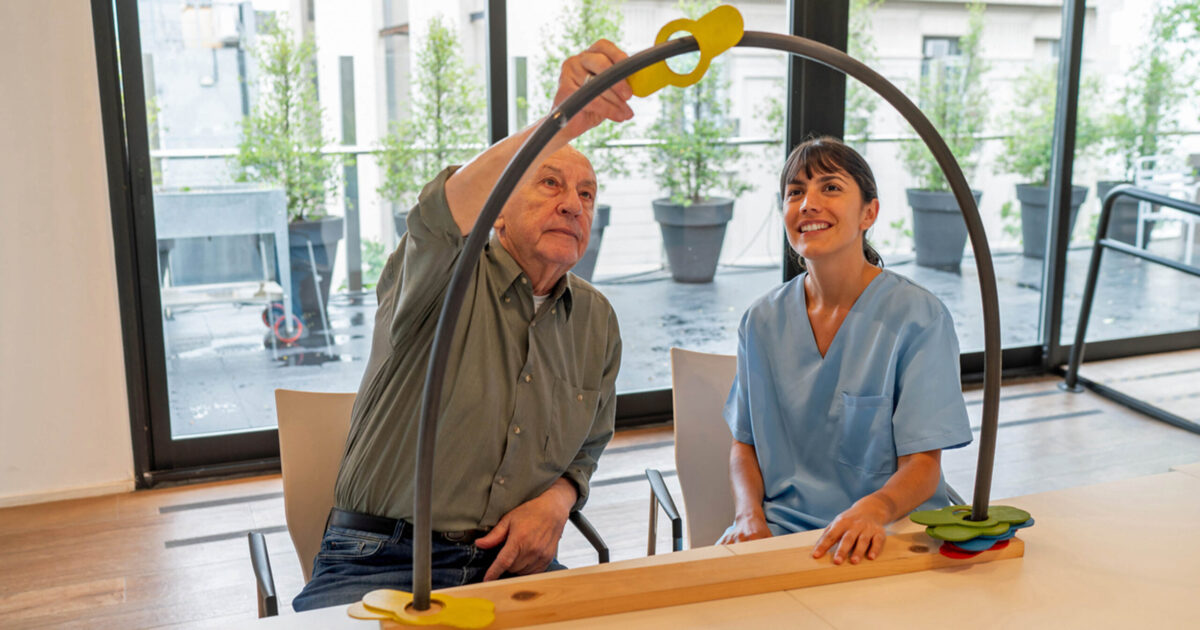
(915, 480)
(746, 479)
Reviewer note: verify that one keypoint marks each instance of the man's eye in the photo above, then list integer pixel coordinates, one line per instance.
(550, 181)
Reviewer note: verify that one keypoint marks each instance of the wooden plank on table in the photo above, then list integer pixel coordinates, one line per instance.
(616, 589)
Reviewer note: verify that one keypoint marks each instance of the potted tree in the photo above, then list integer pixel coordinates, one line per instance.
(953, 97)
(691, 160)
(1146, 109)
(1028, 151)
(446, 125)
(578, 26)
(281, 145)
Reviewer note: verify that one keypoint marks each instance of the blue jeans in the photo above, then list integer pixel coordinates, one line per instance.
(352, 563)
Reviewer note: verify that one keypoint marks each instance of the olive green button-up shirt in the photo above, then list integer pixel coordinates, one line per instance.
(529, 397)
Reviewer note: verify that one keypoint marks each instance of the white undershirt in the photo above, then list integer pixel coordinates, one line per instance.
(538, 300)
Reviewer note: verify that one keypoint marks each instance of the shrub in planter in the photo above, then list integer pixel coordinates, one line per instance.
(1027, 150)
(281, 145)
(1147, 107)
(691, 161)
(446, 125)
(953, 97)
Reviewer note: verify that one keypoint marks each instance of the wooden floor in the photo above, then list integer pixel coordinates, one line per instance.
(177, 557)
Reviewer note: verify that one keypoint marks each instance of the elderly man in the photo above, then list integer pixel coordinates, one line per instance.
(530, 397)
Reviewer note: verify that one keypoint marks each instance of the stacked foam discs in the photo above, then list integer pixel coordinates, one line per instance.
(963, 538)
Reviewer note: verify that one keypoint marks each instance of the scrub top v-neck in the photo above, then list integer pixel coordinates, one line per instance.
(827, 430)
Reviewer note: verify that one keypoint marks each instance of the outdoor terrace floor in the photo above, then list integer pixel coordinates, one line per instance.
(221, 377)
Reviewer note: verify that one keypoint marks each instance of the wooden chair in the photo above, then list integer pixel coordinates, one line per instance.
(700, 383)
(312, 431)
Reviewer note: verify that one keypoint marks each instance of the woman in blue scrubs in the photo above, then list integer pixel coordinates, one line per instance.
(847, 385)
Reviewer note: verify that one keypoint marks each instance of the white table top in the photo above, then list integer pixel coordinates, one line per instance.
(1119, 554)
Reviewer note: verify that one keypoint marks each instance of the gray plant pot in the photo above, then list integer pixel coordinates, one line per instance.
(1035, 215)
(1122, 224)
(939, 231)
(587, 263)
(693, 235)
(324, 235)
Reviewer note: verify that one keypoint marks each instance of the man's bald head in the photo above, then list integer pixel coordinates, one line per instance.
(547, 220)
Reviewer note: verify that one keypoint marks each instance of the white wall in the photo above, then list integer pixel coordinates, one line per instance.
(64, 420)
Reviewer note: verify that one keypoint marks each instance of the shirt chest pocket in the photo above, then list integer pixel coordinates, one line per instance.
(865, 437)
(574, 411)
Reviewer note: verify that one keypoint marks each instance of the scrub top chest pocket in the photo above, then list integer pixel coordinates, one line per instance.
(865, 439)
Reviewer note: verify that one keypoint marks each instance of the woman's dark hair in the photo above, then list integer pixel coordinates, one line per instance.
(827, 154)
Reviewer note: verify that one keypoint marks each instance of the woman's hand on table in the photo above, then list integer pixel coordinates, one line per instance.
(858, 532)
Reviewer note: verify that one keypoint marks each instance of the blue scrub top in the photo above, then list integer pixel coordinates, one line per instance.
(827, 431)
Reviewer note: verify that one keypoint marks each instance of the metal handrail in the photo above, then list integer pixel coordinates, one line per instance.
(1071, 380)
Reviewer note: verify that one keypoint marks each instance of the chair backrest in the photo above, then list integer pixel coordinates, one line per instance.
(700, 384)
(312, 429)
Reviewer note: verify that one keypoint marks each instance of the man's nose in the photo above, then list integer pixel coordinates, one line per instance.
(571, 204)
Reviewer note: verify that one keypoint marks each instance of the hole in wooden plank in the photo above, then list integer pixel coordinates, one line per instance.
(524, 596)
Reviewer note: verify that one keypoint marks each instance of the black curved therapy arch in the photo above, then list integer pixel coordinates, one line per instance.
(806, 48)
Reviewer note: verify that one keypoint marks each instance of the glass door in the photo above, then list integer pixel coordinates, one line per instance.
(282, 144)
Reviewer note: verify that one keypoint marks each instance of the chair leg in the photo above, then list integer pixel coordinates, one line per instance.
(268, 603)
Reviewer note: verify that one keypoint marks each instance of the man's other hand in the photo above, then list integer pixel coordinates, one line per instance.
(530, 532)
(611, 104)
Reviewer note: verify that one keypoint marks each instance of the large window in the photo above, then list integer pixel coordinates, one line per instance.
(270, 128)
(269, 237)
(970, 68)
(1138, 123)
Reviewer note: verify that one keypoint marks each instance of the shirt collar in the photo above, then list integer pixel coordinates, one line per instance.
(509, 271)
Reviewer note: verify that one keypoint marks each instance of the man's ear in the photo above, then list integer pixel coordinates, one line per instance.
(870, 213)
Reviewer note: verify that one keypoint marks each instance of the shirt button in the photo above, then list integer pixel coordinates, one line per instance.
(507, 299)
(517, 430)
(528, 377)
(500, 481)
(524, 280)
(552, 311)
(579, 397)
